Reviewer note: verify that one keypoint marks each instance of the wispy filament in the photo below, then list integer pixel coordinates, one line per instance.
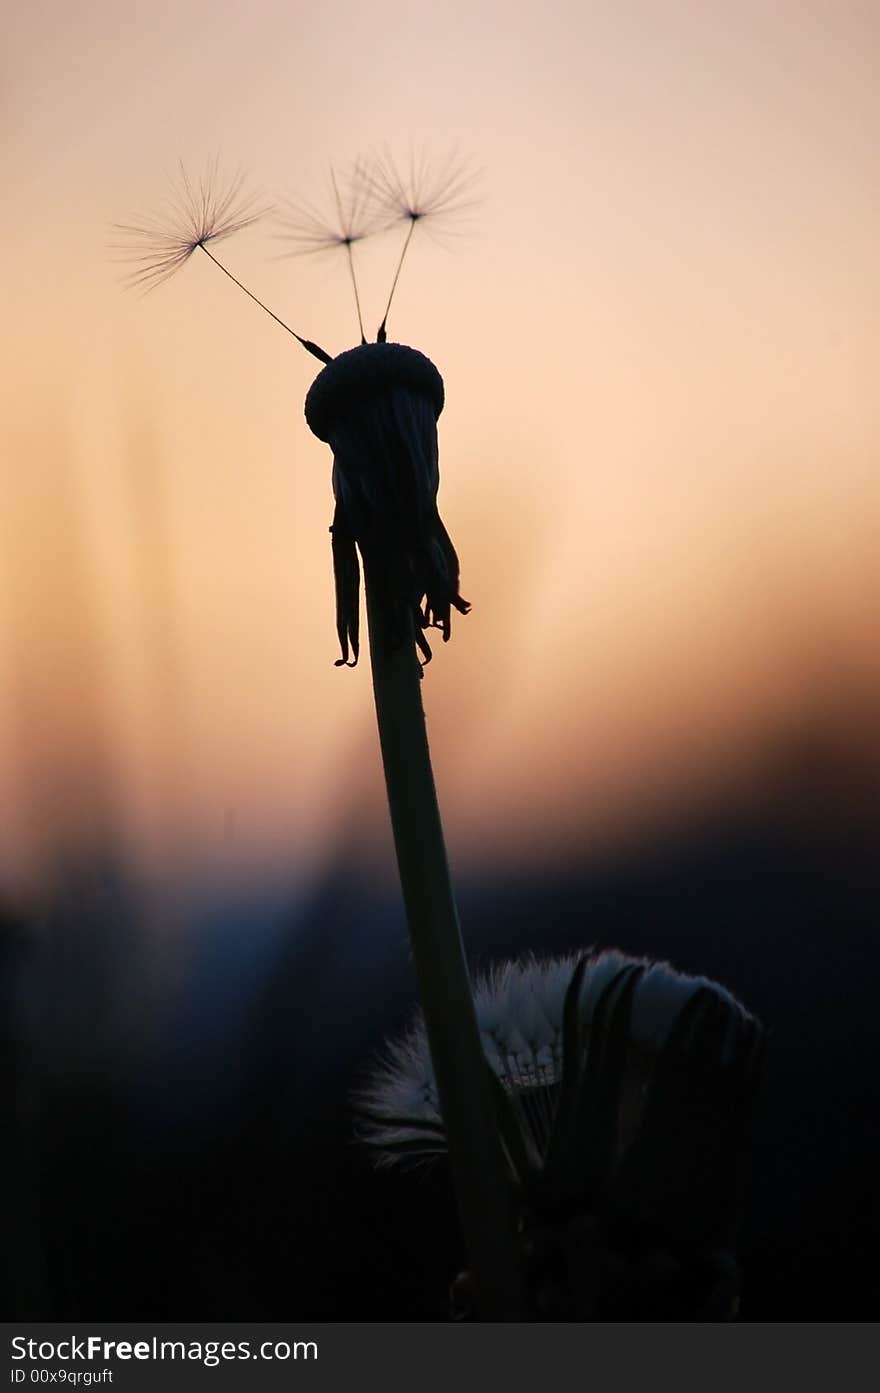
(306, 343)
(381, 335)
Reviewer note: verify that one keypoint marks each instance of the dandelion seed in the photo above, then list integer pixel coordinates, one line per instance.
(354, 216)
(435, 196)
(435, 193)
(195, 214)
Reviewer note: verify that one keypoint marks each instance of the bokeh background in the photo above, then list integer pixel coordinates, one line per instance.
(657, 728)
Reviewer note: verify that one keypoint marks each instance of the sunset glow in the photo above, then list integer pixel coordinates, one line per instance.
(658, 454)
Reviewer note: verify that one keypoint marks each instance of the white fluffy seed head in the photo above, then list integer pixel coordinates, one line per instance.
(519, 1006)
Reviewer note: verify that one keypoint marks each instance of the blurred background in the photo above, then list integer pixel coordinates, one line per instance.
(658, 728)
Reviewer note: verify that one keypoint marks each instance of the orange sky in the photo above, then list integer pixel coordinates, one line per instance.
(658, 454)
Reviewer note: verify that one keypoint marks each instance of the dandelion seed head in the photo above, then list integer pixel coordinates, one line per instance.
(361, 375)
(520, 1009)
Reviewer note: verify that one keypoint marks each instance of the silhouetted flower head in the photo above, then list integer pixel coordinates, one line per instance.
(624, 1092)
(377, 407)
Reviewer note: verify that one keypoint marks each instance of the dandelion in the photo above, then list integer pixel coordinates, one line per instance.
(624, 1092)
(377, 406)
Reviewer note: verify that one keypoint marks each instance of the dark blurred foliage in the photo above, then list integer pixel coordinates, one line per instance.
(207, 1171)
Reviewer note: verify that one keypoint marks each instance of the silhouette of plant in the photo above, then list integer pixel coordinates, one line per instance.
(377, 407)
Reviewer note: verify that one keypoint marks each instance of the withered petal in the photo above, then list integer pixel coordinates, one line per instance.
(347, 578)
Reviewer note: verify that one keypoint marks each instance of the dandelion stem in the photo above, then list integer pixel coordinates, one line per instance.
(381, 334)
(479, 1177)
(306, 343)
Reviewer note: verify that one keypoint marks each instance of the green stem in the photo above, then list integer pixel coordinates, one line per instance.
(479, 1177)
